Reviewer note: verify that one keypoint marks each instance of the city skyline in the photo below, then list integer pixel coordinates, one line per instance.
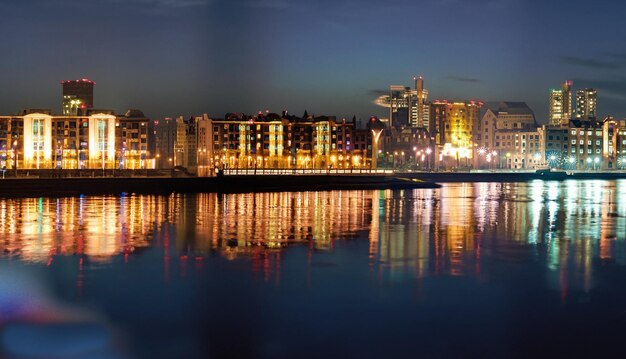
(187, 57)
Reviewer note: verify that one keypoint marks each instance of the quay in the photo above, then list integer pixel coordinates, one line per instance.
(27, 183)
(58, 183)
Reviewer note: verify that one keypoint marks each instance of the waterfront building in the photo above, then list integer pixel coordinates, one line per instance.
(36, 139)
(77, 95)
(620, 144)
(407, 147)
(186, 144)
(269, 140)
(521, 149)
(586, 144)
(132, 139)
(505, 130)
(205, 145)
(452, 128)
(586, 103)
(561, 104)
(164, 138)
(556, 144)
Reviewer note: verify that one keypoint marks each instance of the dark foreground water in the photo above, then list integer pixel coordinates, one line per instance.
(468, 270)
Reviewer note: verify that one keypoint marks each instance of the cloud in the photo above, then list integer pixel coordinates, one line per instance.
(593, 63)
(151, 4)
(462, 79)
(616, 88)
(270, 4)
(377, 92)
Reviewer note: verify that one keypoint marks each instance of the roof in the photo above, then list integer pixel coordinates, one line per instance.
(515, 108)
(134, 114)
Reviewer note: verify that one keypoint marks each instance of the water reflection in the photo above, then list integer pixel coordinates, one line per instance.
(456, 230)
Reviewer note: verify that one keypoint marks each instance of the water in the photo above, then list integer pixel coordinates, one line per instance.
(468, 270)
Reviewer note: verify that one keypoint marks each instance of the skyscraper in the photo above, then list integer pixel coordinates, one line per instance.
(407, 107)
(561, 104)
(418, 108)
(77, 95)
(586, 103)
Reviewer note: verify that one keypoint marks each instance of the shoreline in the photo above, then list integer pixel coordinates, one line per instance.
(75, 186)
(43, 184)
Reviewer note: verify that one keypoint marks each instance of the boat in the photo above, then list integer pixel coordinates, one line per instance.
(552, 174)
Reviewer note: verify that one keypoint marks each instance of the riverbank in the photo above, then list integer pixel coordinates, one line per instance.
(512, 176)
(73, 186)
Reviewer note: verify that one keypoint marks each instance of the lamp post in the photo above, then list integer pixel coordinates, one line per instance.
(15, 156)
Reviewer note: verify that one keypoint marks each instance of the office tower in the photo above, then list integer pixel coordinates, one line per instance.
(407, 107)
(561, 104)
(418, 109)
(77, 95)
(398, 106)
(586, 103)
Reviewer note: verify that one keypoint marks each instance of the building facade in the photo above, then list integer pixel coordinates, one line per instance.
(454, 127)
(586, 103)
(407, 107)
(97, 139)
(77, 95)
(561, 104)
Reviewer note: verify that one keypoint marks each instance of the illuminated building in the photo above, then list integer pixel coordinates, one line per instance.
(509, 136)
(556, 144)
(77, 95)
(273, 141)
(407, 107)
(612, 133)
(419, 110)
(97, 139)
(561, 104)
(132, 140)
(186, 144)
(586, 103)
(453, 125)
(205, 145)
(486, 132)
(164, 137)
(527, 151)
(586, 144)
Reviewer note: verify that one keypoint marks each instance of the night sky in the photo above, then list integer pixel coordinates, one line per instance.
(184, 57)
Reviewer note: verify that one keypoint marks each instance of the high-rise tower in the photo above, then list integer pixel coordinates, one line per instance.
(586, 103)
(561, 104)
(418, 109)
(77, 94)
(407, 107)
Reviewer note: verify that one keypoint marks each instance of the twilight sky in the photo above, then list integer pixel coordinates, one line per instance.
(184, 57)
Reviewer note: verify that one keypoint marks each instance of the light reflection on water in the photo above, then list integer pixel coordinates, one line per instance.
(535, 267)
(564, 226)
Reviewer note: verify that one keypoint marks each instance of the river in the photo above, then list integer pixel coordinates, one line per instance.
(467, 270)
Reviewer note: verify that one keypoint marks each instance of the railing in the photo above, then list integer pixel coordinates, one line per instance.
(301, 171)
